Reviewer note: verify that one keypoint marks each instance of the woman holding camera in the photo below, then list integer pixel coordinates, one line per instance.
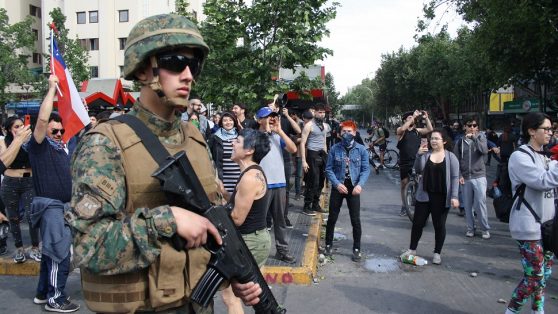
(530, 166)
(436, 192)
(17, 188)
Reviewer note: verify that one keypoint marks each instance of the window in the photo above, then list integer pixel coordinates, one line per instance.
(37, 58)
(122, 16)
(93, 43)
(93, 16)
(83, 43)
(94, 71)
(122, 43)
(35, 34)
(81, 17)
(34, 11)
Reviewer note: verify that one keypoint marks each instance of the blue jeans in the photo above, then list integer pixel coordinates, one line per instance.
(52, 279)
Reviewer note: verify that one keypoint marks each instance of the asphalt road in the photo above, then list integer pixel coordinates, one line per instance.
(380, 283)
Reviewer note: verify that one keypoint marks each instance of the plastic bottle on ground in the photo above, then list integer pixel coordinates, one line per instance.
(413, 260)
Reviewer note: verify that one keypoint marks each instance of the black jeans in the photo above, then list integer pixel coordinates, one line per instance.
(13, 191)
(437, 206)
(315, 178)
(353, 203)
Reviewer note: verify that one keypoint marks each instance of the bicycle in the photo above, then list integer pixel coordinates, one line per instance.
(391, 157)
(410, 193)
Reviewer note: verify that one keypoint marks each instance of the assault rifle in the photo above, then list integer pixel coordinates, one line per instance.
(233, 259)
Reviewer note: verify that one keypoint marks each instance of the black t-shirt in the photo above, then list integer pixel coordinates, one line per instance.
(288, 129)
(249, 123)
(408, 146)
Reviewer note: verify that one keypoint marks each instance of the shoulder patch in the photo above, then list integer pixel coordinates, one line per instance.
(105, 184)
(88, 206)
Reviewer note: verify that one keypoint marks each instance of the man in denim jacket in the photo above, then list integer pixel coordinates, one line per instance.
(347, 169)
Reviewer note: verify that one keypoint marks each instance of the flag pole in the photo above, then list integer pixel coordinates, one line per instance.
(51, 57)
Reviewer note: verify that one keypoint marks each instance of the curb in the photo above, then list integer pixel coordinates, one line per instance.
(8, 267)
(304, 274)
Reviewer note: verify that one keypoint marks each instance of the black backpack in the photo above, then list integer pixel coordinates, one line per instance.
(504, 203)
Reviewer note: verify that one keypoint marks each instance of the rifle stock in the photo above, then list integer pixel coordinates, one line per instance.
(230, 261)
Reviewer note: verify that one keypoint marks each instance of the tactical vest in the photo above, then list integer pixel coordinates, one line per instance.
(169, 281)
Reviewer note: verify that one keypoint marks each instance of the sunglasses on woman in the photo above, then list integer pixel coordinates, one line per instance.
(177, 63)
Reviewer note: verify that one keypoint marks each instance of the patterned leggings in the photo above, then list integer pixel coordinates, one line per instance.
(537, 267)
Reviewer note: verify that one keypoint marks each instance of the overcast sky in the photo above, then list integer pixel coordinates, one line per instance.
(365, 29)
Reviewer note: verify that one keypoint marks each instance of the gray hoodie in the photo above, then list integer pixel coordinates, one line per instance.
(452, 177)
(539, 192)
(470, 153)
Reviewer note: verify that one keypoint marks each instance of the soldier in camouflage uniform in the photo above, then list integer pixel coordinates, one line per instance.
(164, 53)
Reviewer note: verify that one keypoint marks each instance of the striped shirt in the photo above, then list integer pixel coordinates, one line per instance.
(231, 170)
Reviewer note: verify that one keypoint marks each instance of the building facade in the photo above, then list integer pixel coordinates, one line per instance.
(101, 26)
(19, 10)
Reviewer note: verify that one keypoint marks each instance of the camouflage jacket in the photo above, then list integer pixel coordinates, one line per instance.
(103, 243)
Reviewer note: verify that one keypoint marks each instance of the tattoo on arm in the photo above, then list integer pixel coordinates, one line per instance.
(261, 179)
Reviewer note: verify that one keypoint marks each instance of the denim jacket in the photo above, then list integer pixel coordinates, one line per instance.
(359, 167)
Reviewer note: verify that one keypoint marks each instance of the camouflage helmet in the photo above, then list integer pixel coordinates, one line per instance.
(160, 33)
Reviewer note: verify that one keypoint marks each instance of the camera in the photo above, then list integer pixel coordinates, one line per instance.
(281, 101)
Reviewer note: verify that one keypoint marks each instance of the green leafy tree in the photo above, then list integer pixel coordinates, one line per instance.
(519, 39)
(251, 42)
(182, 8)
(75, 56)
(16, 43)
(331, 94)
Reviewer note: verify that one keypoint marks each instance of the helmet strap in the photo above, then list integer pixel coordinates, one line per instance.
(155, 85)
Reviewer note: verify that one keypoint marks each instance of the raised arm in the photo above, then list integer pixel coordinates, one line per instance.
(46, 109)
(8, 155)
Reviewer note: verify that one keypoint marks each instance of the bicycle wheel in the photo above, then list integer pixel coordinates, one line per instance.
(391, 159)
(410, 192)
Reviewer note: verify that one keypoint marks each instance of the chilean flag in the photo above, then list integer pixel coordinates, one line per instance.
(70, 106)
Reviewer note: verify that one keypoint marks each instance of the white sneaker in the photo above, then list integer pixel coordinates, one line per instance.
(470, 234)
(409, 252)
(436, 259)
(486, 235)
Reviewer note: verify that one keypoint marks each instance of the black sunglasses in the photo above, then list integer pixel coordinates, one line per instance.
(177, 63)
(55, 131)
(472, 125)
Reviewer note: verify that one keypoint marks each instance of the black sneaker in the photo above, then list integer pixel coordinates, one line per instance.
(66, 307)
(356, 255)
(19, 256)
(461, 212)
(308, 212)
(40, 299)
(318, 209)
(328, 250)
(288, 224)
(285, 257)
(403, 211)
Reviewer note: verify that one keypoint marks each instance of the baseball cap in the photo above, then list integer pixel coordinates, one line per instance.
(264, 112)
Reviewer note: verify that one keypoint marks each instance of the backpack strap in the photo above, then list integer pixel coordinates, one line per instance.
(520, 192)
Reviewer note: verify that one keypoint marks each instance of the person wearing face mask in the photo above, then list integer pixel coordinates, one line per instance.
(313, 154)
(347, 169)
(221, 148)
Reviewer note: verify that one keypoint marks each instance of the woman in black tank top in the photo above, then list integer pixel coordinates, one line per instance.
(250, 201)
(17, 189)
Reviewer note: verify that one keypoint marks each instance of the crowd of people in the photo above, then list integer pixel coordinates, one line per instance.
(97, 191)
